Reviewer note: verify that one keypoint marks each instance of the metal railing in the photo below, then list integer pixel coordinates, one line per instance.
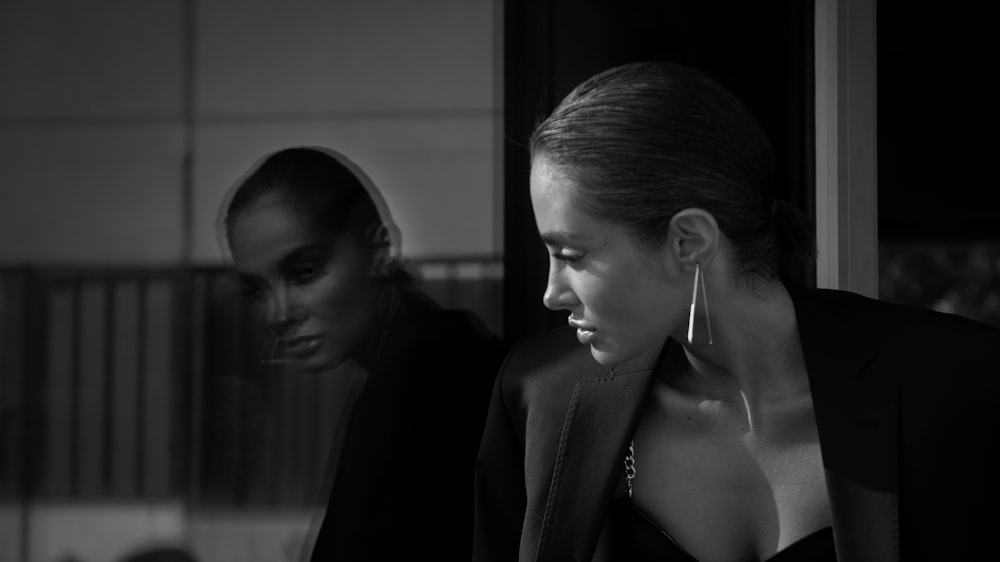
(144, 383)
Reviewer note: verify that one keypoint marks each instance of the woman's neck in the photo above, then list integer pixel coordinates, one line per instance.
(756, 357)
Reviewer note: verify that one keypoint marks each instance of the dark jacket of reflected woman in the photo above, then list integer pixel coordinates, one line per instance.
(312, 241)
(700, 406)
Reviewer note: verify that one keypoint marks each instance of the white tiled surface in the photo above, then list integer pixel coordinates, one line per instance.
(98, 59)
(92, 135)
(344, 56)
(90, 194)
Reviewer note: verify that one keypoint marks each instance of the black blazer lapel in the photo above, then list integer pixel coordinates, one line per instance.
(857, 419)
(599, 422)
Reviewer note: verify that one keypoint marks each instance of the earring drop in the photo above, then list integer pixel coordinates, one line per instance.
(273, 352)
(699, 324)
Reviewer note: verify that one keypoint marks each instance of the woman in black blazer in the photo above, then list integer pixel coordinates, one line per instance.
(313, 242)
(714, 411)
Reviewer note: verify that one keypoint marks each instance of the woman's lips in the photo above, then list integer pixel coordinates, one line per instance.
(304, 346)
(584, 333)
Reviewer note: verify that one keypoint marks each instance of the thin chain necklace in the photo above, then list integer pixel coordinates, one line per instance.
(629, 457)
(630, 468)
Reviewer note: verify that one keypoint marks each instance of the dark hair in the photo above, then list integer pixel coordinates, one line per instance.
(328, 192)
(645, 140)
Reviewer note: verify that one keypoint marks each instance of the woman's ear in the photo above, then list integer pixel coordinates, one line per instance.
(693, 237)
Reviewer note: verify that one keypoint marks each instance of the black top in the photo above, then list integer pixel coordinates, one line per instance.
(637, 538)
(403, 490)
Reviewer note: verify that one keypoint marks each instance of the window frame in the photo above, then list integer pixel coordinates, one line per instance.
(846, 158)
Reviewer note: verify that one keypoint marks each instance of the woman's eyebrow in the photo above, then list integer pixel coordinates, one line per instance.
(558, 238)
(241, 279)
(305, 251)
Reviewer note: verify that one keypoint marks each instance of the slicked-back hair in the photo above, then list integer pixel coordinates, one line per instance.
(329, 193)
(645, 140)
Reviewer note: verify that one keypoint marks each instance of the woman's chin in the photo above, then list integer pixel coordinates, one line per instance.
(605, 352)
(624, 362)
(604, 358)
(322, 361)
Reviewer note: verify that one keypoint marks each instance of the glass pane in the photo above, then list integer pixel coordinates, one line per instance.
(939, 239)
(134, 408)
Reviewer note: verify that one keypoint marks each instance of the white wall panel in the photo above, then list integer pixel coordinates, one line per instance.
(101, 58)
(345, 56)
(90, 194)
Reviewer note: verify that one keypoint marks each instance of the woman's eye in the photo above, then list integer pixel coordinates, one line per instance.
(305, 273)
(252, 293)
(568, 257)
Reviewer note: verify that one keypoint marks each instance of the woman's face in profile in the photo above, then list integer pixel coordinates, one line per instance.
(314, 286)
(622, 299)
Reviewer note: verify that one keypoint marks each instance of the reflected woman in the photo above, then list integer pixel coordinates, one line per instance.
(700, 406)
(313, 243)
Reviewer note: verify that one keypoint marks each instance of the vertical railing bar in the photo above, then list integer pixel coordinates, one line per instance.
(109, 390)
(177, 369)
(34, 315)
(239, 360)
(245, 337)
(76, 327)
(140, 384)
(314, 446)
(320, 446)
(277, 402)
(196, 364)
(299, 438)
(10, 364)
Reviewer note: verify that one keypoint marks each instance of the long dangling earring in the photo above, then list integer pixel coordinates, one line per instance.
(699, 332)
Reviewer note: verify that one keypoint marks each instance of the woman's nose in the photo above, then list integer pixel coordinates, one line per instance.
(558, 295)
(281, 311)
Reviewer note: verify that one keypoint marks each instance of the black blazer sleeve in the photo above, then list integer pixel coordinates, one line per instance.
(499, 482)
